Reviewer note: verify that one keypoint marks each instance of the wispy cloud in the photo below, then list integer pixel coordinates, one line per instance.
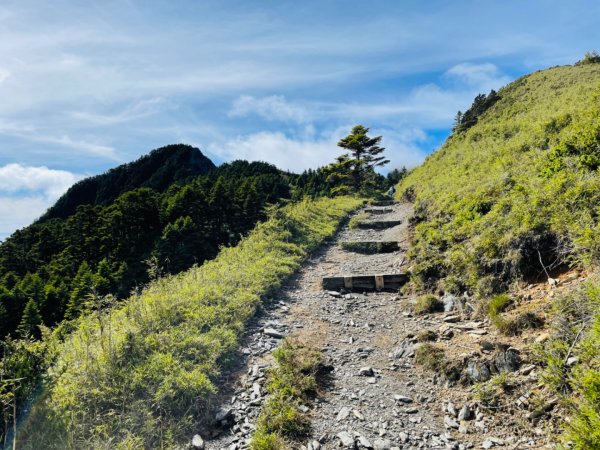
(481, 76)
(277, 148)
(273, 108)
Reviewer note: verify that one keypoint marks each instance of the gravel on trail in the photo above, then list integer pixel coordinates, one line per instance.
(376, 398)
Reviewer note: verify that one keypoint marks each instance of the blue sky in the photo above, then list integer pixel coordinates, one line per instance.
(85, 86)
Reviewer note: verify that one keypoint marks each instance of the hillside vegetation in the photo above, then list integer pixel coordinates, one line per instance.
(142, 375)
(56, 268)
(156, 170)
(514, 195)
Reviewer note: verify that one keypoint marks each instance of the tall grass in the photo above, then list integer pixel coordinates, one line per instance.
(519, 186)
(143, 375)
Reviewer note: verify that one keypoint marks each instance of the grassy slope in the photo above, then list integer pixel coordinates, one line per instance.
(142, 375)
(489, 197)
(524, 179)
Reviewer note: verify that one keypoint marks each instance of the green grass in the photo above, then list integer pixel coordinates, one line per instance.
(513, 195)
(356, 220)
(291, 383)
(428, 303)
(143, 375)
(576, 334)
(426, 336)
(523, 180)
(430, 357)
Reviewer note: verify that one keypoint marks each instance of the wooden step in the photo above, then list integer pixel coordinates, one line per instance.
(388, 282)
(378, 224)
(383, 203)
(379, 210)
(371, 247)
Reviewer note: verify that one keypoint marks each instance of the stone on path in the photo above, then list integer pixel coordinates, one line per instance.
(366, 372)
(346, 439)
(382, 444)
(198, 442)
(343, 414)
(272, 332)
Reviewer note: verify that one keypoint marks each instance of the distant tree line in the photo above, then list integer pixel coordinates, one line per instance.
(481, 103)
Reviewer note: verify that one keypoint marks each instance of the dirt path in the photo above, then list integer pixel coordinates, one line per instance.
(377, 397)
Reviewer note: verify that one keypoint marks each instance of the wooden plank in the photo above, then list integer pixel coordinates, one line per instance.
(371, 247)
(388, 282)
(378, 224)
(383, 203)
(379, 210)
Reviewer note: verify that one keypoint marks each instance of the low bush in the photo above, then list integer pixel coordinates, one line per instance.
(291, 383)
(430, 357)
(572, 364)
(510, 326)
(426, 336)
(428, 303)
(489, 393)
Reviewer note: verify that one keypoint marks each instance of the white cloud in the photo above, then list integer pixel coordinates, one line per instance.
(310, 151)
(134, 111)
(16, 213)
(482, 76)
(31, 133)
(404, 146)
(26, 192)
(51, 183)
(274, 107)
(278, 149)
(92, 148)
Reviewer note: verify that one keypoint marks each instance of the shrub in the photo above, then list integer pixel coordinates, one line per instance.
(291, 383)
(261, 440)
(589, 58)
(576, 333)
(428, 303)
(431, 357)
(426, 336)
(490, 393)
(514, 325)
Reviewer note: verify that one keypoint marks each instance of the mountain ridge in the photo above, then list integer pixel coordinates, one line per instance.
(156, 170)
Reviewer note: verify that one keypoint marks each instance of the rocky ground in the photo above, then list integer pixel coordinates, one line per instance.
(377, 396)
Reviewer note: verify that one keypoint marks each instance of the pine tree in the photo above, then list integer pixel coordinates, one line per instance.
(3, 320)
(30, 320)
(80, 288)
(354, 171)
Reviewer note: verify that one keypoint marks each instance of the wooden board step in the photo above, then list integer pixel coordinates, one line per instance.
(379, 210)
(388, 282)
(378, 224)
(383, 203)
(371, 247)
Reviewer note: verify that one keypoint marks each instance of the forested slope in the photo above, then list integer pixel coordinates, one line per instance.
(55, 268)
(156, 170)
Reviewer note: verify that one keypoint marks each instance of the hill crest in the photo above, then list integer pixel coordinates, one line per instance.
(156, 170)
